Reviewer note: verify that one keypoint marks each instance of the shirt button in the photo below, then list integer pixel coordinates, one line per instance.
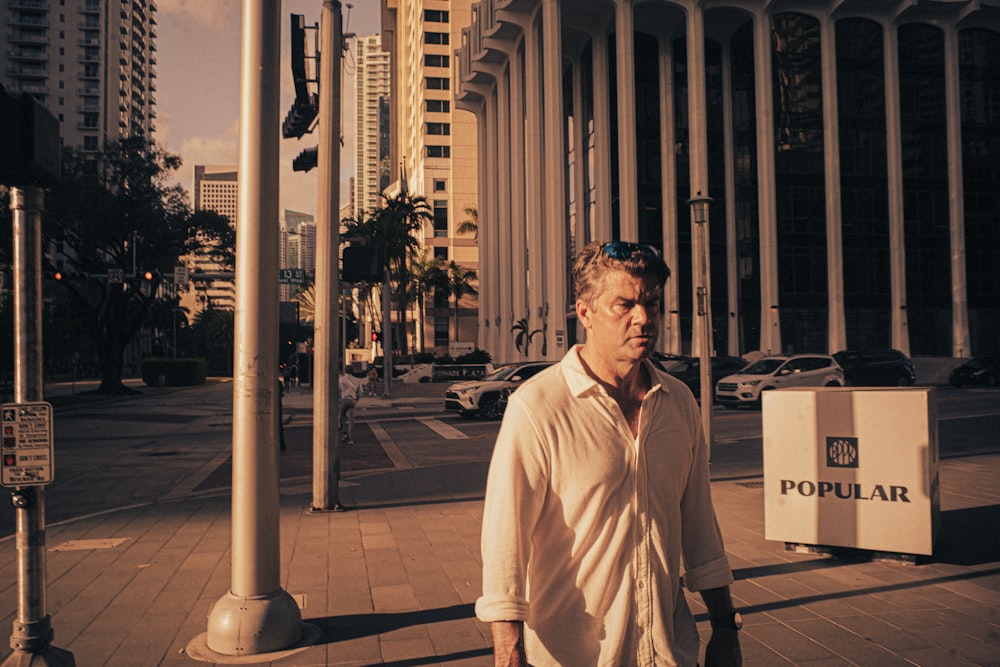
(641, 584)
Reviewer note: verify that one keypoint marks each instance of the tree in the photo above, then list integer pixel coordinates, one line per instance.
(470, 226)
(214, 331)
(524, 334)
(427, 273)
(392, 230)
(116, 210)
(459, 284)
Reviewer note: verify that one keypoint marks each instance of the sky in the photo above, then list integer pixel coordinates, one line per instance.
(198, 81)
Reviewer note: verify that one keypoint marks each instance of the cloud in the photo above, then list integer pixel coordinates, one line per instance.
(210, 13)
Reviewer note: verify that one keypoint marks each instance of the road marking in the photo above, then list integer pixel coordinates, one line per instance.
(392, 450)
(446, 431)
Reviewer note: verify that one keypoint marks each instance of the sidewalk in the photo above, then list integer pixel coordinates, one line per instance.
(393, 581)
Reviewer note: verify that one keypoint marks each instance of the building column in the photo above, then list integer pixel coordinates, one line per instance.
(672, 338)
(489, 284)
(836, 324)
(602, 138)
(729, 158)
(555, 305)
(960, 339)
(894, 160)
(581, 230)
(534, 176)
(501, 321)
(628, 198)
(518, 194)
(770, 320)
(698, 142)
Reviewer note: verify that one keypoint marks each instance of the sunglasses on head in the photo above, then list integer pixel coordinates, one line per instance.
(623, 249)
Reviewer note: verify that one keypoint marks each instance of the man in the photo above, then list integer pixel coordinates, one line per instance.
(350, 392)
(598, 486)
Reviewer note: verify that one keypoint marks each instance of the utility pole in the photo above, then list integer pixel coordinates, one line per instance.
(32, 633)
(326, 388)
(256, 615)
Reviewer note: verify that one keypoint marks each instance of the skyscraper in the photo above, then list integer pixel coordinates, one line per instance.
(373, 169)
(91, 62)
(215, 189)
(437, 143)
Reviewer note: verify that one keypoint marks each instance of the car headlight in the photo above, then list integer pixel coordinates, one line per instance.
(751, 383)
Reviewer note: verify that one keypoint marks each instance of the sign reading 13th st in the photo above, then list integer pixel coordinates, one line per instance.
(26, 444)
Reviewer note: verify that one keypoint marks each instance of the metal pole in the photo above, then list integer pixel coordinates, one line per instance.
(32, 630)
(387, 334)
(705, 311)
(326, 388)
(256, 615)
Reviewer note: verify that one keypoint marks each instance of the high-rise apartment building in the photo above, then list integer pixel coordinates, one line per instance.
(91, 62)
(216, 188)
(437, 144)
(373, 168)
(298, 248)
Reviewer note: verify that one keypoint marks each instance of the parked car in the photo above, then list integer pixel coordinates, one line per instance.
(480, 397)
(688, 369)
(778, 372)
(978, 370)
(881, 368)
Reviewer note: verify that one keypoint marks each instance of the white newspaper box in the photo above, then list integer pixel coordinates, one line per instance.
(849, 467)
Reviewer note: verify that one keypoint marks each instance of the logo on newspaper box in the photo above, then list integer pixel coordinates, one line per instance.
(841, 452)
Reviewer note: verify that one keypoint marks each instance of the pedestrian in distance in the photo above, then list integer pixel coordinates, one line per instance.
(350, 392)
(598, 491)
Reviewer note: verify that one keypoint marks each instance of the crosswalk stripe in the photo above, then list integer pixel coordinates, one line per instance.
(390, 447)
(446, 431)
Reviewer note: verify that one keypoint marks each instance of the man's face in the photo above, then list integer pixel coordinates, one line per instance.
(623, 321)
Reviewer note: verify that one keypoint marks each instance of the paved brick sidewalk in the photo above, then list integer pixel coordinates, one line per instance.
(393, 581)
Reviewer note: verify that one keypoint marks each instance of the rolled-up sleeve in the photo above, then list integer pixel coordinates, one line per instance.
(515, 491)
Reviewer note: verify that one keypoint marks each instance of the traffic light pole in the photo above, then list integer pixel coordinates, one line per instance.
(256, 615)
(326, 335)
(32, 632)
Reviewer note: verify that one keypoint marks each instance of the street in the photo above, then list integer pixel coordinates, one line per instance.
(170, 443)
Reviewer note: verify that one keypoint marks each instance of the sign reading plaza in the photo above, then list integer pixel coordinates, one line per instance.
(26, 444)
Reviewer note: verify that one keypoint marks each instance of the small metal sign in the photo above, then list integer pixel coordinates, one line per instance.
(116, 276)
(26, 449)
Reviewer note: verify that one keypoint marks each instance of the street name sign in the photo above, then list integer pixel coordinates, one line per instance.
(26, 449)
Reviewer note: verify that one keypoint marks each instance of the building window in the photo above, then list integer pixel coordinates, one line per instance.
(438, 106)
(438, 83)
(436, 38)
(436, 60)
(441, 330)
(440, 185)
(439, 151)
(440, 129)
(436, 15)
(440, 218)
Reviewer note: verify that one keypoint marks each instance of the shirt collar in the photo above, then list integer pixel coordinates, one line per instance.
(580, 382)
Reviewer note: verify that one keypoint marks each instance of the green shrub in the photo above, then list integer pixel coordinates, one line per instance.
(174, 372)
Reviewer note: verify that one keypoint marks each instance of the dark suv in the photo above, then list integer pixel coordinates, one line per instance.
(881, 368)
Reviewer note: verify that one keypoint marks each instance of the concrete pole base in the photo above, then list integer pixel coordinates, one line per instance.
(50, 656)
(253, 625)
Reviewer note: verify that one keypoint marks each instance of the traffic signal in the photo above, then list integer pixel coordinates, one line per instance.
(300, 117)
(361, 264)
(306, 160)
(376, 336)
(150, 276)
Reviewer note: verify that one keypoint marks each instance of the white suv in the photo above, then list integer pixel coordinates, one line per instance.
(480, 396)
(777, 372)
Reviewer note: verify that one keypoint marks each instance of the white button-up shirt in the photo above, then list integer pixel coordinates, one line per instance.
(584, 525)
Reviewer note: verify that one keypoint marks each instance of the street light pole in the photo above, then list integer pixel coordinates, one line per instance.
(699, 216)
(256, 615)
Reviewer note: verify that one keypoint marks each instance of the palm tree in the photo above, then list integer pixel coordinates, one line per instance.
(459, 284)
(305, 296)
(426, 274)
(524, 335)
(470, 226)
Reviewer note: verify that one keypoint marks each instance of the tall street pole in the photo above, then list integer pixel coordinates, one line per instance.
(326, 336)
(700, 218)
(256, 615)
(32, 631)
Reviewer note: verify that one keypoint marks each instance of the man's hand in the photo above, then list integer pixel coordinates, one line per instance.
(508, 644)
(723, 649)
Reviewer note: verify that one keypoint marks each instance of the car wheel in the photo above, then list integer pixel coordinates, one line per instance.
(489, 408)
